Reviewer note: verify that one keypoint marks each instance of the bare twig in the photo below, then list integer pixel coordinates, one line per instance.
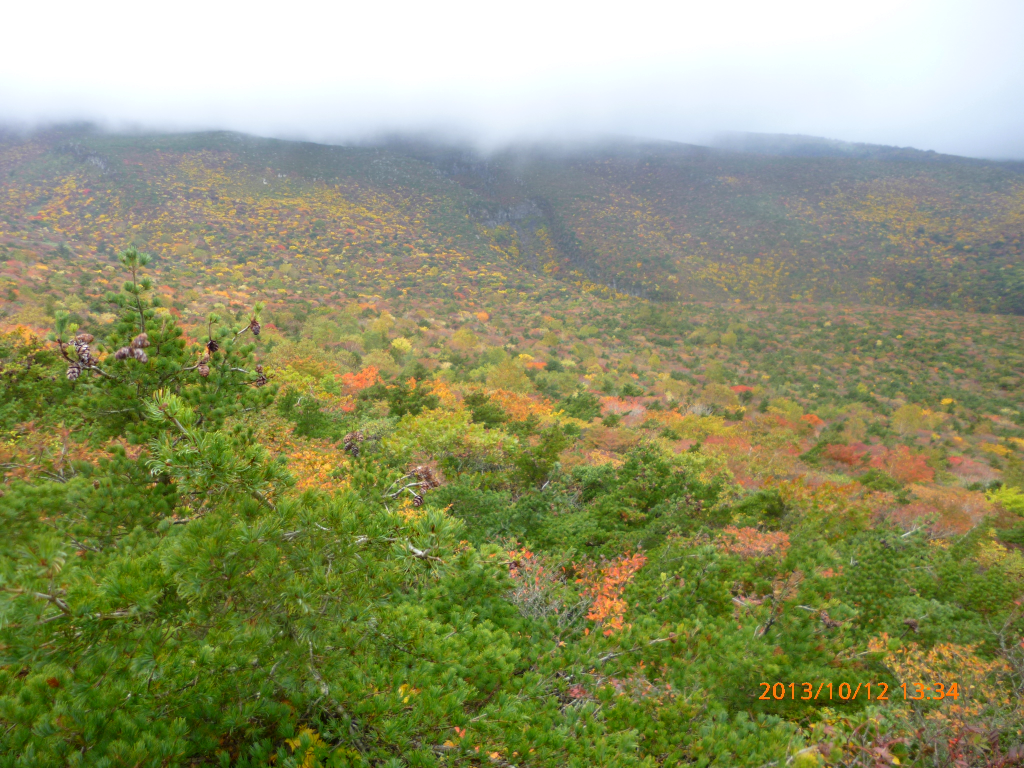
(657, 640)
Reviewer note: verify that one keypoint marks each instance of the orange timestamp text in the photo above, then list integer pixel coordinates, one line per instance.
(847, 692)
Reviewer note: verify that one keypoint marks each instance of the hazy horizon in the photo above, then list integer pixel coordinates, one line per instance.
(942, 76)
(791, 144)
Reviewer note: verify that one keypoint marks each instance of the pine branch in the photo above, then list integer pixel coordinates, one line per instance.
(342, 713)
(57, 601)
(65, 609)
(422, 554)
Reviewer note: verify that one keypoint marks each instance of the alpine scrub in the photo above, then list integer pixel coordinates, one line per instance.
(488, 578)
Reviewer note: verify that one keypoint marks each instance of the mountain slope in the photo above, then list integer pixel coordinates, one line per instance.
(369, 466)
(671, 221)
(660, 221)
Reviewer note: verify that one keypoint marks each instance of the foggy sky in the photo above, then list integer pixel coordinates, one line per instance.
(932, 74)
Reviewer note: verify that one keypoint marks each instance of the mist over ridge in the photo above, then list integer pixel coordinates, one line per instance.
(943, 76)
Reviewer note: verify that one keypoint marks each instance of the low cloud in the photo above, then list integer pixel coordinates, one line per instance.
(935, 75)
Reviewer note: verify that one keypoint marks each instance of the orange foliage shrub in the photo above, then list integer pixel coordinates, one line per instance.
(360, 381)
(440, 389)
(813, 420)
(518, 406)
(750, 542)
(605, 585)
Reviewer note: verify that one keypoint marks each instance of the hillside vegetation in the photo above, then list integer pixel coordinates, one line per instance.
(397, 456)
(673, 222)
(666, 222)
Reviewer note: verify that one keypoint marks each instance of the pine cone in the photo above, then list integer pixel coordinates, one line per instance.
(123, 353)
(141, 356)
(212, 346)
(140, 341)
(255, 328)
(85, 338)
(417, 500)
(352, 441)
(74, 371)
(261, 381)
(426, 477)
(828, 621)
(912, 623)
(204, 370)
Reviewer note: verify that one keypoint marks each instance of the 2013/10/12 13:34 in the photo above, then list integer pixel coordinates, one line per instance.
(846, 692)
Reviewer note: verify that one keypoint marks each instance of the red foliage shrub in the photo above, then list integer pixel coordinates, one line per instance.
(904, 465)
(850, 455)
(970, 470)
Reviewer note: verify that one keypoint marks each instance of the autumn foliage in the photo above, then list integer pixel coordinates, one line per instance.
(604, 585)
(550, 469)
(749, 542)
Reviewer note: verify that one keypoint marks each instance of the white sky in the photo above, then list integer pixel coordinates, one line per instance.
(934, 74)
